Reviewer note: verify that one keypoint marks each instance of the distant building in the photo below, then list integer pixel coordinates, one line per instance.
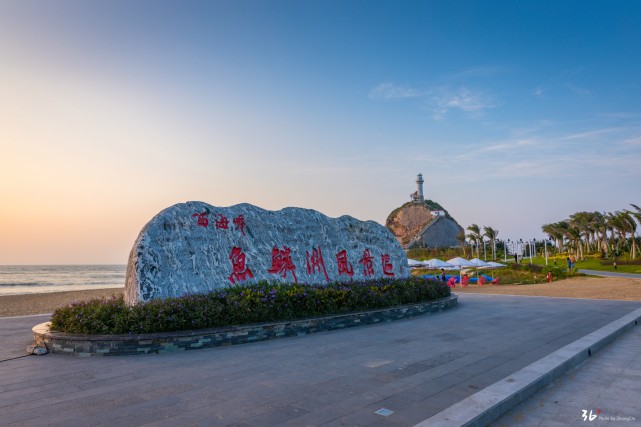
(417, 196)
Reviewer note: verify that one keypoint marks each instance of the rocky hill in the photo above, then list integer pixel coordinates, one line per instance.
(424, 224)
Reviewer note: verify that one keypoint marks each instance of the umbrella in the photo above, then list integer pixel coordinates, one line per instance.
(460, 263)
(493, 264)
(436, 263)
(478, 263)
(412, 263)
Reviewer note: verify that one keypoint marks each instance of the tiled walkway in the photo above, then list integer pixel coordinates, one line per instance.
(413, 368)
(606, 386)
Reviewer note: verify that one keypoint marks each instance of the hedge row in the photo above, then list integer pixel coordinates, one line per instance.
(262, 302)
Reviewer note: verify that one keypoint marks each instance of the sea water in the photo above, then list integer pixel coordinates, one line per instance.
(35, 279)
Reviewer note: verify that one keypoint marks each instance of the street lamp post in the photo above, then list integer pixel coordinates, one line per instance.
(521, 251)
(545, 243)
(505, 243)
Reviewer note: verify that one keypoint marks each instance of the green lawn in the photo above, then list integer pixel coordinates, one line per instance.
(587, 264)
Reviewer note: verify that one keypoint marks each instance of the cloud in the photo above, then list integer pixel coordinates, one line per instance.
(578, 90)
(538, 92)
(509, 146)
(439, 100)
(392, 91)
(481, 71)
(633, 141)
(444, 99)
(593, 133)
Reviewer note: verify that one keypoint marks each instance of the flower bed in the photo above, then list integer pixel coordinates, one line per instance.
(262, 302)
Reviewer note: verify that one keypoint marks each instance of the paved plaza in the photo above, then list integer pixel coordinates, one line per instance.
(606, 386)
(411, 369)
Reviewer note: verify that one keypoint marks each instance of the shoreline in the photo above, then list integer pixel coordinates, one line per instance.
(47, 302)
(606, 288)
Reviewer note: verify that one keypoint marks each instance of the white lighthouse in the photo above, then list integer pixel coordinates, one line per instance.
(417, 196)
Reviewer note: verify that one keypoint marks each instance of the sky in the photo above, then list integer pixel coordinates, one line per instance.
(517, 114)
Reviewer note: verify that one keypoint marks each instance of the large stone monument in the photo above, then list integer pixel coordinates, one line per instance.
(194, 247)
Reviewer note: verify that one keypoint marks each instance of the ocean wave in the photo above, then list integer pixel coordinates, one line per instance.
(27, 279)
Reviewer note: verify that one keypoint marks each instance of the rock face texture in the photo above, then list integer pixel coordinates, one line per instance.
(417, 224)
(194, 247)
(439, 234)
(409, 221)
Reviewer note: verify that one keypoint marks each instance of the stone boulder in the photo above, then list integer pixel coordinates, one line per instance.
(424, 224)
(194, 247)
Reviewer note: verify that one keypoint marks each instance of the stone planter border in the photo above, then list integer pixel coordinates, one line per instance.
(121, 345)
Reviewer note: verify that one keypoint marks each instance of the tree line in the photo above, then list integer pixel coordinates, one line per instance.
(610, 233)
(477, 236)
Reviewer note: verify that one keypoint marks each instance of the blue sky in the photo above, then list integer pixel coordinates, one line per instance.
(516, 113)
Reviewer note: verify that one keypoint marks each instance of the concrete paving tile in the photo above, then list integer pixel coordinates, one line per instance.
(358, 418)
(528, 420)
(418, 412)
(244, 382)
(593, 385)
(275, 416)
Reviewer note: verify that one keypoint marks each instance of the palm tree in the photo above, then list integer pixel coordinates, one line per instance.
(581, 221)
(554, 232)
(636, 215)
(627, 218)
(461, 238)
(476, 236)
(574, 235)
(599, 224)
(611, 225)
(618, 225)
(491, 234)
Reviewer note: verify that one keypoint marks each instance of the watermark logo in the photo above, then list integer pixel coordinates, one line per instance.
(590, 416)
(596, 415)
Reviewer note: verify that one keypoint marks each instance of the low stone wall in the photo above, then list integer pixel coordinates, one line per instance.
(120, 345)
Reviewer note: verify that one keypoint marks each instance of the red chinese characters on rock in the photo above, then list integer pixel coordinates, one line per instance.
(316, 262)
(240, 270)
(282, 262)
(222, 221)
(239, 222)
(387, 265)
(203, 221)
(368, 265)
(344, 266)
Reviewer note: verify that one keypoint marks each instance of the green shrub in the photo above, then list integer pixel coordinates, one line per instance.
(556, 272)
(262, 302)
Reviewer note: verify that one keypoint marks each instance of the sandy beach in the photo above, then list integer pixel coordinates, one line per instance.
(609, 288)
(580, 287)
(21, 305)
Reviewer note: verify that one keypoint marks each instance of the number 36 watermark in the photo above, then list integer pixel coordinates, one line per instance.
(593, 415)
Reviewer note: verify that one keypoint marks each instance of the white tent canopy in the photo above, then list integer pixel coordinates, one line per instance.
(435, 263)
(414, 263)
(493, 264)
(460, 262)
(479, 263)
